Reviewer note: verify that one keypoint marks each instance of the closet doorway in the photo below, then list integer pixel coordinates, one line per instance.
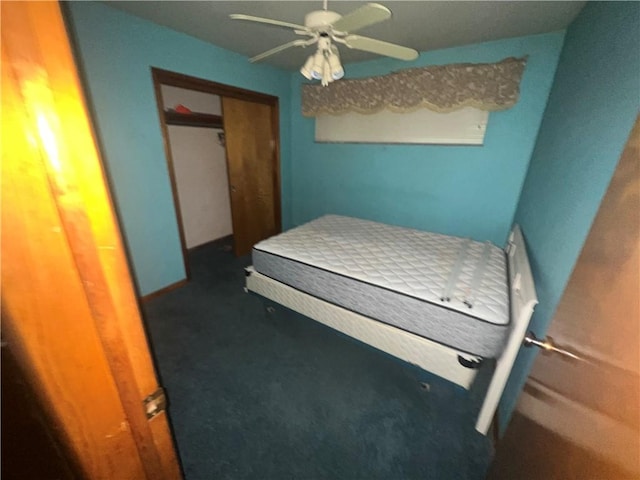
(215, 197)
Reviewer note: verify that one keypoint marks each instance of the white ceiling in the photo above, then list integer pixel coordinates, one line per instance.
(422, 25)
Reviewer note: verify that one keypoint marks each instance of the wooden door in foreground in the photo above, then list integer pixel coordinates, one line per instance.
(252, 162)
(69, 313)
(581, 419)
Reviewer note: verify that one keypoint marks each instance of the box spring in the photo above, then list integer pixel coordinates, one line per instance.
(450, 290)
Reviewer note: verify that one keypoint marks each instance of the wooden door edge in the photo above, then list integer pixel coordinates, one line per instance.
(63, 176)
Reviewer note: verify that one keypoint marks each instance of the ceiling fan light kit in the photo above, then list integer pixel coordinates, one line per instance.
(323, 65)
(335, 67)
(324, 27)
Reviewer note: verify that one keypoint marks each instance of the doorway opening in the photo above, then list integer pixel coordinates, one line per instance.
(222, 149)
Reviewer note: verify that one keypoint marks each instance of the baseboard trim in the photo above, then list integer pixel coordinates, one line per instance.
(164, 290)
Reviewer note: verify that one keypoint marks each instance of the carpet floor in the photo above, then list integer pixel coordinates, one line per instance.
(257, 391)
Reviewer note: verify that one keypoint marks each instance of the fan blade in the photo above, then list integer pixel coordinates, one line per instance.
(364, 16)
(295, 43)
(381, 48)
(268, 21)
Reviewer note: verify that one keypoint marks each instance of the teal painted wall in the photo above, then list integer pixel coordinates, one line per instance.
(459, 190)
(593, 105)
(116, 52)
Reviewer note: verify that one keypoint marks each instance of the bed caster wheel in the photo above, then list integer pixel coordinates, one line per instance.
(470, 362)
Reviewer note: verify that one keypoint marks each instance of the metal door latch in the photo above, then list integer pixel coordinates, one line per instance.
(155, 403)
(547, 345)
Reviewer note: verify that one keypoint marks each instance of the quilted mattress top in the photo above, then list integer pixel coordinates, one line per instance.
(457, 273)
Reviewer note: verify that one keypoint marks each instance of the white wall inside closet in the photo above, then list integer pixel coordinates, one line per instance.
(200, 169)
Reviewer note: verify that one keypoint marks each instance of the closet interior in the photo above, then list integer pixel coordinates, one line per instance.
(196, 140)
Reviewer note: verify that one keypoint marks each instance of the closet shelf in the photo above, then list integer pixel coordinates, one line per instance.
(193, 119)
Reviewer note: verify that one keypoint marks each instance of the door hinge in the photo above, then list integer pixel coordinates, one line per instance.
(155, 403)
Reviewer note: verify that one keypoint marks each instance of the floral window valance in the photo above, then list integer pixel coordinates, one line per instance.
(443, 88)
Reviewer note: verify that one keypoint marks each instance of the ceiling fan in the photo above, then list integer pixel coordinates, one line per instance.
(325, 27)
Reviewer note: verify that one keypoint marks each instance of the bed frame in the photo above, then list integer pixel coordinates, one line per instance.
(430, 356)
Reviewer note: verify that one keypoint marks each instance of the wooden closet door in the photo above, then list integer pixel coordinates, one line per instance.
(69, 313)
(253, 166)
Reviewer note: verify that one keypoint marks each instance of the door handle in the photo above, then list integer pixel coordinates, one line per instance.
(547, 345)
(233, 189)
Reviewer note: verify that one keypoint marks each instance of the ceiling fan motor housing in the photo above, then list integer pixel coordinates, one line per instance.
(321, 20)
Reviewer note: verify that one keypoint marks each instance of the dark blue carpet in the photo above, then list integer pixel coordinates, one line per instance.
(261, 394)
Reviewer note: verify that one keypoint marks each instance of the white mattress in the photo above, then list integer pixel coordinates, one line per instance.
(448, 289)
